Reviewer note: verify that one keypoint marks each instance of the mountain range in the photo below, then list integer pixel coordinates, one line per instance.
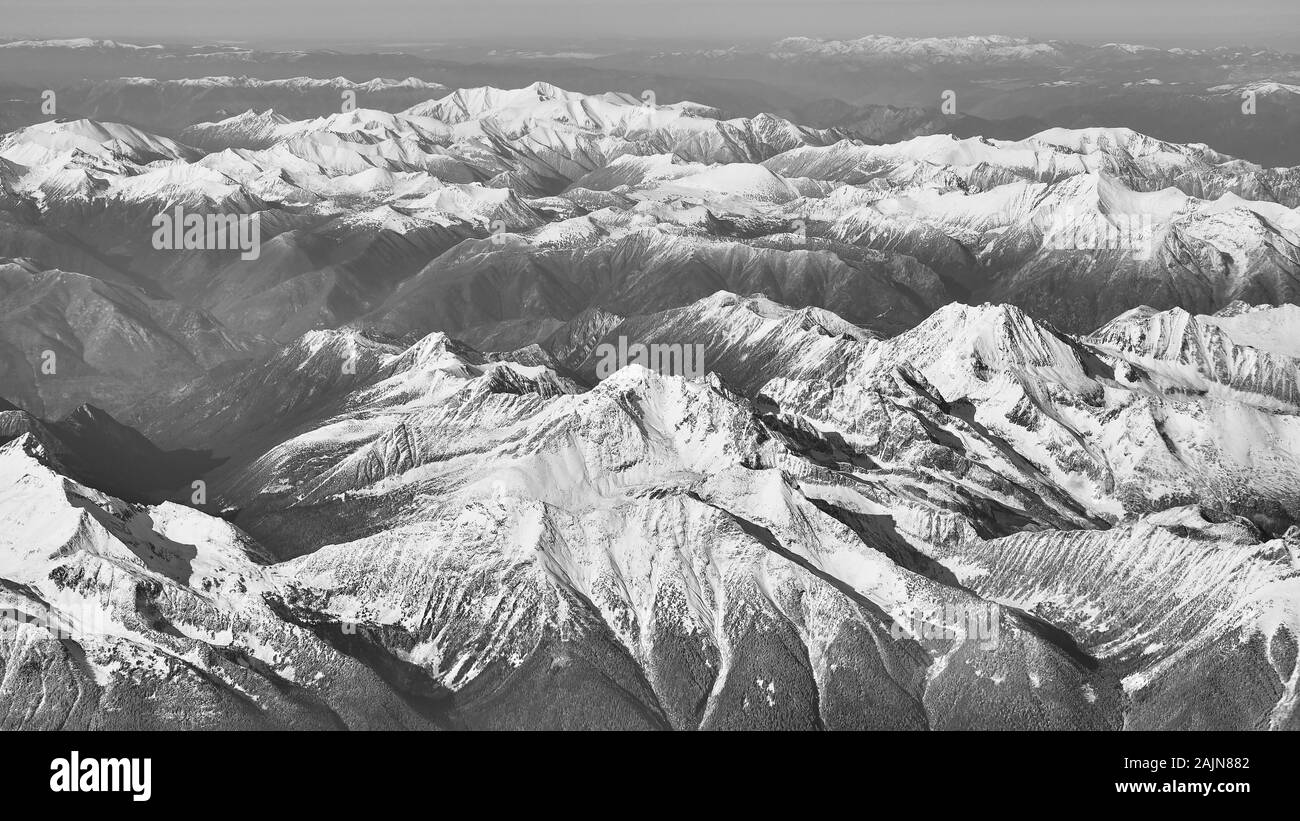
(988, 433)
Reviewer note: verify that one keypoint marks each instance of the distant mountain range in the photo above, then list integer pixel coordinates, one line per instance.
(889, 88)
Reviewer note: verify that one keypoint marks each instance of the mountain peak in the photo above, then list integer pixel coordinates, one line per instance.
(28, 446)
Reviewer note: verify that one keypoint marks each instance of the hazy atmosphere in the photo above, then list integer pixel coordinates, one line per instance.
(1274, 23)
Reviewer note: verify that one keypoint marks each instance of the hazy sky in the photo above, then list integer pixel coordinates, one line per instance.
(324, 22)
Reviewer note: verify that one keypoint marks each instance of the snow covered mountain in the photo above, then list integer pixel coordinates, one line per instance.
(94, 447)
(535, 408)
(434, 478)
(118, 616)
